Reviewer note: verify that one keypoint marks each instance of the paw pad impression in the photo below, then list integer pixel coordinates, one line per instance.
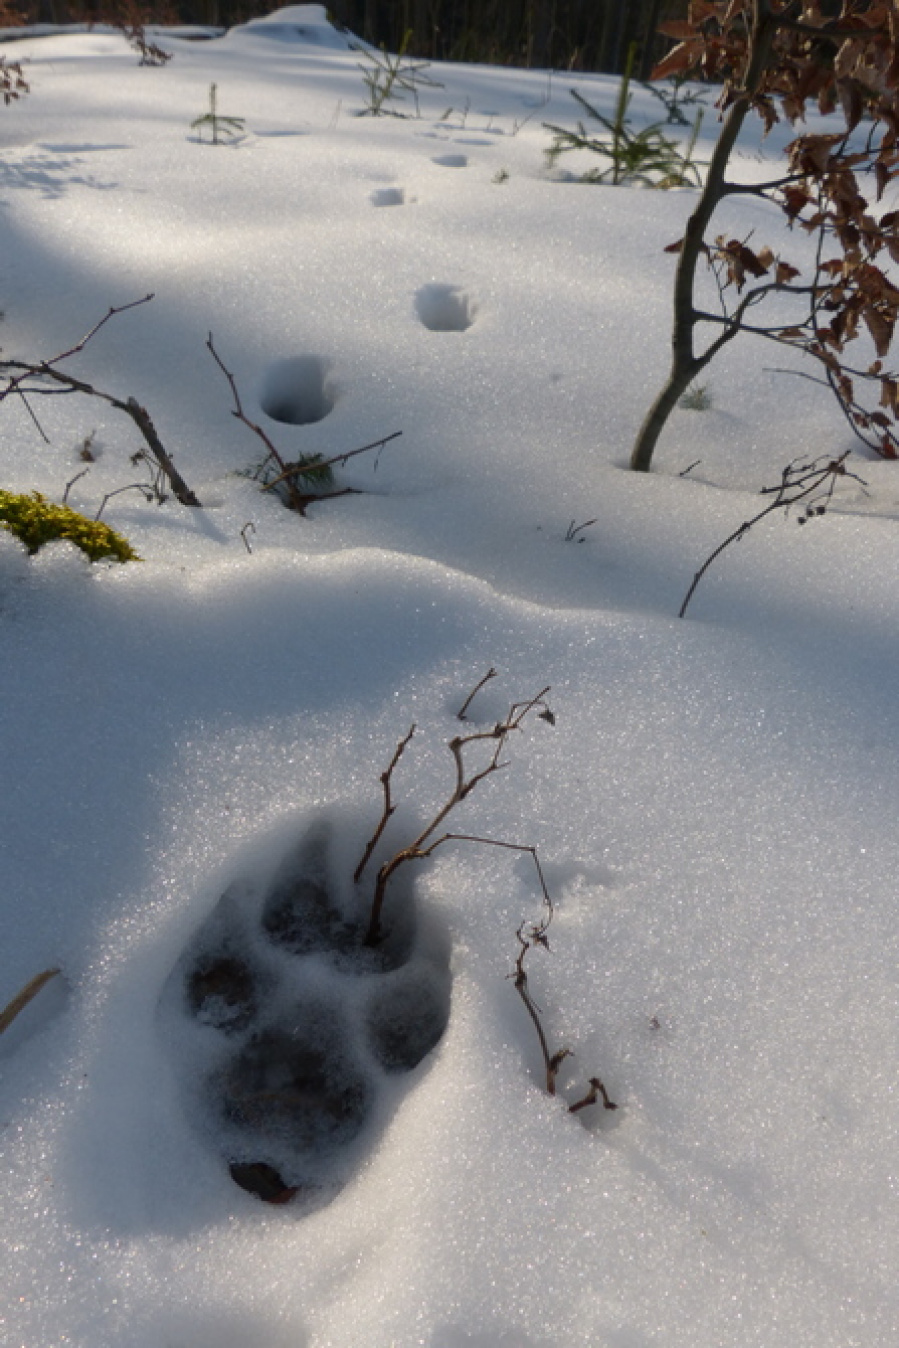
(289, 1027)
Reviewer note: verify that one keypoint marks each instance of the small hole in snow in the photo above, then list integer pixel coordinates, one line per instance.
(443, 308)
(298, 391)
(388, 196)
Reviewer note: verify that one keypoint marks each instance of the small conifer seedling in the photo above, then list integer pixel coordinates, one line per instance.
(222, 128)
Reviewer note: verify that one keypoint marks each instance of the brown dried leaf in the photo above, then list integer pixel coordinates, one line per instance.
(880, 328)
(889, 395)
(795, 199)
(678, 60)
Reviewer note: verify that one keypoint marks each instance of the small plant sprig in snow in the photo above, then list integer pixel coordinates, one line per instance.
(696, 399)
(646, 156)
(13, 83)
(389, 77)
(299, 483)
(221, 127)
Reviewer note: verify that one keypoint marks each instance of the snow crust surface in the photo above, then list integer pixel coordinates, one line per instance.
(712, 809)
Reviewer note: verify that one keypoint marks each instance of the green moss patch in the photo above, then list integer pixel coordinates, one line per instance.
(37, 521)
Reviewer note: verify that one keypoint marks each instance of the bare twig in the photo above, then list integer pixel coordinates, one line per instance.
(812, 482)
(571, 533)
(424, 846)
(20, 372)
(389, 807)
(293, 470)
(535, 934)
(596, 1092)
(145, 491)
(460, 714)
(465, 783)
(21, 999)
(70, 484)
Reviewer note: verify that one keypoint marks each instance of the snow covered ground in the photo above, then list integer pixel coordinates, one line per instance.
(712, 808)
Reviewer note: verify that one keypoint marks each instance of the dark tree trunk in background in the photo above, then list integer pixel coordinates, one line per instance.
(589, 35)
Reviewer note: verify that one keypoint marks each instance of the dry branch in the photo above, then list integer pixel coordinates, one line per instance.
(461, 713)
(21, 999)
(529, 935)
(31, 378)
(811, 482)
(465, 783)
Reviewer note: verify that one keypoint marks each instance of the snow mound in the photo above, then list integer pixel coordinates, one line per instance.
(298, 23)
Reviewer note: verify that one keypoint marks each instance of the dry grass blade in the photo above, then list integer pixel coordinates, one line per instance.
(21, 999)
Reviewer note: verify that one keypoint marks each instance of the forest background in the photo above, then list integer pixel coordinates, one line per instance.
(593, 35)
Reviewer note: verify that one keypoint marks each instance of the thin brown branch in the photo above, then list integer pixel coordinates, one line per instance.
(21, 999)
(291, 470)
(491, 674)
(596, 1092)
(47, 369)
(465, 782)
(389, 807)
(812, 482)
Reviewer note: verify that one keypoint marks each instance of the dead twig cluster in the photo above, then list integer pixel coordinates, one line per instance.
(466, 778)
(465, 781)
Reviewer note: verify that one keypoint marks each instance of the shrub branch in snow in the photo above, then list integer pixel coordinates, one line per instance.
(312, 470)
(425, 844)
(529, 935)
(812, 482)
(772, 57)
(29, 379)
(465, 782)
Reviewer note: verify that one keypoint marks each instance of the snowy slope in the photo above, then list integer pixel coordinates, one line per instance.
(712, 808)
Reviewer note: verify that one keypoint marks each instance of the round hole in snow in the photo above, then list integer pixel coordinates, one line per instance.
(388, 196)
(443, 308)
(298, 391)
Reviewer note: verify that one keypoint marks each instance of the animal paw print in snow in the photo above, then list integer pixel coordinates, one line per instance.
(295, 1026)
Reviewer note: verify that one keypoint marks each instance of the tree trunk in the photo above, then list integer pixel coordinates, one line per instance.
(685, 364)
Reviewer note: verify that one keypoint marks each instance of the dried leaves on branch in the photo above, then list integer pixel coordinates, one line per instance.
(773, 57)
